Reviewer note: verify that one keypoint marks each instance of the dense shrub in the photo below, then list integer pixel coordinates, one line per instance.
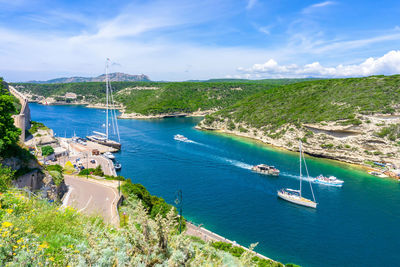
(9, 134)
(47, 150)
(6, 175)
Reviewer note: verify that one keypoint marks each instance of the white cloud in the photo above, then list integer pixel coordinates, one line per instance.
(388, 64)
(265, 30)
(316, 6)
(250, 4)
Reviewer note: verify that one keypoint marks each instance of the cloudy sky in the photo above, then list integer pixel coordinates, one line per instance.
(181, 40)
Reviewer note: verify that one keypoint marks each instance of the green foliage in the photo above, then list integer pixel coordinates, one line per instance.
(327, 146)
(231, 125)
(47, 150)
(238, 252)
(392, 132)
(9, 134)
(93, 171)
(153, 204)
(316, 101)
(6, 175)
(37, 233)
(56, 171)
(35, 126)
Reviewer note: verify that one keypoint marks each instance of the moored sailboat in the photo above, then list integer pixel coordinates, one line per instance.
(295, 196)
(103, 138)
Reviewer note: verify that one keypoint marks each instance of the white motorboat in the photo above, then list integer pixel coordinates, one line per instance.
(109, 155)
(117, 166)
(181, 138)
(265, 169)
(378, 174)
(331, 181)
(295, 196)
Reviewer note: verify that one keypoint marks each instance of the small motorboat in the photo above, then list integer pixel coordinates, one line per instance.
(181, 138)
(117, 166)
(378, 174)
(331, 181)
(265, 169)
(109, 155)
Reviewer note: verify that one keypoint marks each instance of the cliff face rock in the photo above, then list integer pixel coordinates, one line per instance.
(35, 178)
(348, 143)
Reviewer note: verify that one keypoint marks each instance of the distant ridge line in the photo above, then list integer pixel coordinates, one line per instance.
(114, 77)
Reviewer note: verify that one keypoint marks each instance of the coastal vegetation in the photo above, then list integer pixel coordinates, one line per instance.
(316, 101)
(47, 150)
(35, 126)
(36, 232)
(9, 134)
(151, 98)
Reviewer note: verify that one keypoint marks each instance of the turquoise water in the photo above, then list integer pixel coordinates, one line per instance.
(357, 225)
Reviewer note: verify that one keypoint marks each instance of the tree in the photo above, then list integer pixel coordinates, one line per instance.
(9, 134)
(47, 150)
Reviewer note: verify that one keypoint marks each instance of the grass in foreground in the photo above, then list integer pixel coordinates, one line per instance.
(36, 233)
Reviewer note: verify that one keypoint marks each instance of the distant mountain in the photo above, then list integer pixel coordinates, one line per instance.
(114, 77)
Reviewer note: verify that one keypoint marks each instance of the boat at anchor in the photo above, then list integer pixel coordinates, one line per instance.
(103, 138)
(295, 196)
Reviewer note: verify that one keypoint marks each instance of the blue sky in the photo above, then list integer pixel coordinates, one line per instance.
(181, 40)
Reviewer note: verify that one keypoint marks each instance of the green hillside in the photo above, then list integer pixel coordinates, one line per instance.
(316, 101)
(187, 96)
(160, 97)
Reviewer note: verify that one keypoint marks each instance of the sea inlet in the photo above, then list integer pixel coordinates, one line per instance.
(356, 225)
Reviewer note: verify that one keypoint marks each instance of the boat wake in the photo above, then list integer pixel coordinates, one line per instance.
(237, 163)
(297, 176)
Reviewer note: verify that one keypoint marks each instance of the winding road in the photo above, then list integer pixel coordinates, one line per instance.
(93, 197)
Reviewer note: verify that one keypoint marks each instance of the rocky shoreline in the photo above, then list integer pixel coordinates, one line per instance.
(356, 145)
(165, 115)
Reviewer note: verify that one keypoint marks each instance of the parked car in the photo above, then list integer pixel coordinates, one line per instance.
(93, 161)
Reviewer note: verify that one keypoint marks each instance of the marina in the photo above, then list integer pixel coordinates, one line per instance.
(221, 192)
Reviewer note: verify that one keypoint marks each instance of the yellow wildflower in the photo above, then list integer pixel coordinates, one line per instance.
(6, 224)
(20, 240)
(9, 211)
(14, 247)
(51, 259)
(44, 245)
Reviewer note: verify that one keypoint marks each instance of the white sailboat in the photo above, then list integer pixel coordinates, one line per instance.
(103, 138)
(295, 196)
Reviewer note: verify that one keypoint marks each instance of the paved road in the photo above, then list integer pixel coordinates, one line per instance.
(107, 165)
(91, 197)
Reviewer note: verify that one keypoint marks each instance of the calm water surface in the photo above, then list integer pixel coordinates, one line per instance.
(357, 225)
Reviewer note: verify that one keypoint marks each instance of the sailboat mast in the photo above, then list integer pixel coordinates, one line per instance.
(300, 167)
(107, 98)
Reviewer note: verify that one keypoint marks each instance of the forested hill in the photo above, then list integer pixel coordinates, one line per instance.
(316, 101)
(152, 98)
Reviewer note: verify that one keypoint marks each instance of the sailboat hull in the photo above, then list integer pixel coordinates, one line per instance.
(298, 200)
